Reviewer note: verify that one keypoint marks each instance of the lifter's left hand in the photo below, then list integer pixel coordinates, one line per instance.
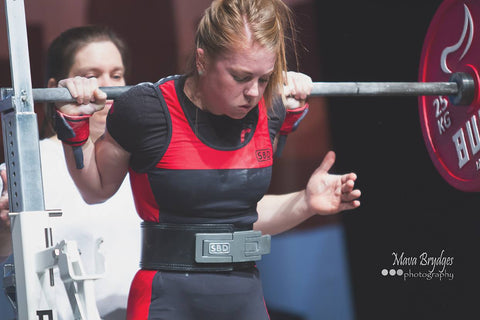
(331, 193)
(296, 89)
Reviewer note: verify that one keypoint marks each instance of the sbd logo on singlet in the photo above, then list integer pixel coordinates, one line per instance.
(263, 155)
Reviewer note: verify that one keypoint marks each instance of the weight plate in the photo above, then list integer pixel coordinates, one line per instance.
(452, 133)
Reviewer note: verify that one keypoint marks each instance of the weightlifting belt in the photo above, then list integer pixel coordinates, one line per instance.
(201, 247)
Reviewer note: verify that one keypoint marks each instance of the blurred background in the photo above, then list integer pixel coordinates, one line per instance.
(328, 267)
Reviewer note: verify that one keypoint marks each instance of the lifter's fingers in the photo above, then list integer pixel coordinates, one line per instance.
(351, 196)
(3, 175)
(327, 163)
(349, 205)
(70, 85)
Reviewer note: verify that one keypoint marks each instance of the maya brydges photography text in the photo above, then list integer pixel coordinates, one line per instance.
(423, 266)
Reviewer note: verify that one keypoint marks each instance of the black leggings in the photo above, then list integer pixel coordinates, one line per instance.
(165, 295)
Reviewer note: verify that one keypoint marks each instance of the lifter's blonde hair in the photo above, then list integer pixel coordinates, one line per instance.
(222, 29)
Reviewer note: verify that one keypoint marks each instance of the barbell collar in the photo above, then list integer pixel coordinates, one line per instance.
(466, 89)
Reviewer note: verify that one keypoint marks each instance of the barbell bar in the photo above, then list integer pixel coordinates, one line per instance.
(460, 90)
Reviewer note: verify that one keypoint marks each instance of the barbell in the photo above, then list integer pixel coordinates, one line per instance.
(460, 90)
(448, 90)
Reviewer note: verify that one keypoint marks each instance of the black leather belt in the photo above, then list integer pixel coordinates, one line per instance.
(200, 247)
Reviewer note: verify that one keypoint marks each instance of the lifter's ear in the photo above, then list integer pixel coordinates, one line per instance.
(200, 60)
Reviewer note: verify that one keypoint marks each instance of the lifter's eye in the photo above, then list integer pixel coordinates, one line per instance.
(241, 78)
(264, 79)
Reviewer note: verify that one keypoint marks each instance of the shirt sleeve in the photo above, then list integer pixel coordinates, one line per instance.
(137, 122)
(276, 116)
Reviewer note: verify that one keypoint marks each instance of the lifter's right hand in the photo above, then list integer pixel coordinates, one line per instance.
(89, 98)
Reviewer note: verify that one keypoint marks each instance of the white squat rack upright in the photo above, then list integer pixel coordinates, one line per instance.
(30, 283)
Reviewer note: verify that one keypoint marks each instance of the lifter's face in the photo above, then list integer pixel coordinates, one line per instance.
(233, 83)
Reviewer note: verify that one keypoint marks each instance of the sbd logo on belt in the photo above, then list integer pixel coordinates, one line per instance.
(219, 248)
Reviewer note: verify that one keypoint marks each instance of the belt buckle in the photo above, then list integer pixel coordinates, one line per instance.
(239, 246)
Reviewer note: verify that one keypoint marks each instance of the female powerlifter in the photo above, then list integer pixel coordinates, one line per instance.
(199, 149)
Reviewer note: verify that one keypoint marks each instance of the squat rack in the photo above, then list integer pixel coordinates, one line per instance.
(30, 284)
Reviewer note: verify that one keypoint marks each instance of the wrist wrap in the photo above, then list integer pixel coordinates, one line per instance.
(74, 131)
(293, 118)
(290, 124)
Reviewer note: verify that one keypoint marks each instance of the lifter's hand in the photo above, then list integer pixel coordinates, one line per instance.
(89, 98)
(331, 193)
(296, 89)
(4, 209)
(6, 247)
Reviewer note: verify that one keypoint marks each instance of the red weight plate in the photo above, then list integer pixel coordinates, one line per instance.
(452, 133)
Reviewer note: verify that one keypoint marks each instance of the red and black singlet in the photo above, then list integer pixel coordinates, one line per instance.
(189, 166)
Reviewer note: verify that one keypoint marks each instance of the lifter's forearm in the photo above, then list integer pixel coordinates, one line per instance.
(105, 167)
(279, 213)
